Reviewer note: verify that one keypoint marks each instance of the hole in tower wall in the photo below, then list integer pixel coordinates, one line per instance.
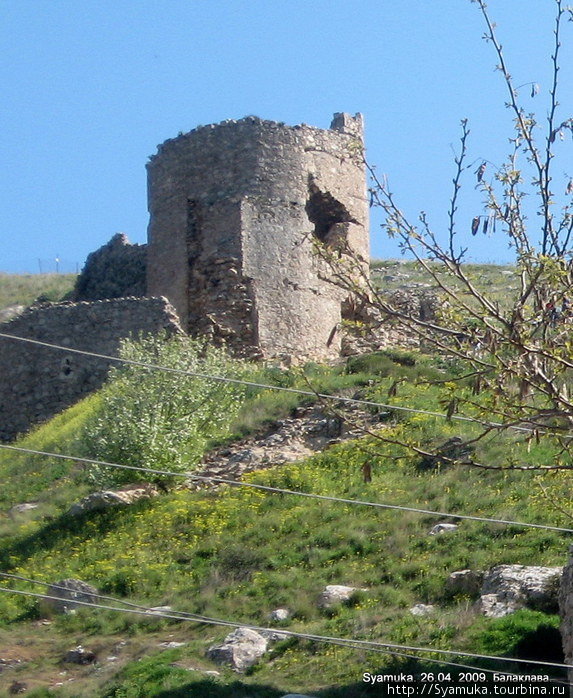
(329, 216)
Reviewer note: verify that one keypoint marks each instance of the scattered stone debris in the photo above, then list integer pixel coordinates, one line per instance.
(336, 593)
(79, 655)
(69, 590)
(507, 588)
(7, 663)
(422, 609)
(311, 429)
(241, 649)
(441, 528)
(112, 498)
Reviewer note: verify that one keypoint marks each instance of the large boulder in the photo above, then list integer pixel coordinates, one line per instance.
(507, 588)
(280, 615)
(67, 592)
(113, 498)
(334, 594)
(441, 528)
(240, 649)
(422, 609)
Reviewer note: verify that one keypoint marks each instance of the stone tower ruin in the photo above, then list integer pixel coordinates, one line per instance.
(236, 210)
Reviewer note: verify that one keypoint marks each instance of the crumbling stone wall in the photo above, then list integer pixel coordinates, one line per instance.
(235, 212)
(116, 270)
(37, 382)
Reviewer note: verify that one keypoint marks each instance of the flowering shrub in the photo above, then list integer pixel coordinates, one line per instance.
(157, 419)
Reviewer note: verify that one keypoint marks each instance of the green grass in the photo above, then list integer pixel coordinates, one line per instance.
(238, 553)
(499, 282)
(24, 289)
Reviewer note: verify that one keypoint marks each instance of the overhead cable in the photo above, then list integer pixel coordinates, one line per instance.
(362, 644)
(265, 386)
(279, 490)
(196, 617)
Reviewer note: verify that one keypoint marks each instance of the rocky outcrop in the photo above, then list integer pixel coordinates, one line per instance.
(23, 508)
(240, 650)
(507, 588)
(466, 582)
(113, 498)
(67, 592)
(117, 270)
(10, 312)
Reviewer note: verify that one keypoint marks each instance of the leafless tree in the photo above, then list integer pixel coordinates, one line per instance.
(518, 355)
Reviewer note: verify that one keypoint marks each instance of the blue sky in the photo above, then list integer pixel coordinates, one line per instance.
(90, 89)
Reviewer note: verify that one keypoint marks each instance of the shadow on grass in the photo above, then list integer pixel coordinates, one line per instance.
(53, 533)
(209, 689)
(445, 676)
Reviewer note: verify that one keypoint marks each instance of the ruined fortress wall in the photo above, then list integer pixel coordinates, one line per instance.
(235, 210)
(115, 270)
(38, 382)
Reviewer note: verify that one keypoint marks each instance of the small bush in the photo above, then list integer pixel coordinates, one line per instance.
(161, 420)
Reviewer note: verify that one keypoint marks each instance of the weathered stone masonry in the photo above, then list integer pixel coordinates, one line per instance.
(116, 270)
(38, 382)
(235, 210)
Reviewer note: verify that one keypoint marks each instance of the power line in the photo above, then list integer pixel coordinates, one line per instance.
(194, 616)
(21, 578)
(387, 647)
(279, 490)
(374, 646)
(264, 386)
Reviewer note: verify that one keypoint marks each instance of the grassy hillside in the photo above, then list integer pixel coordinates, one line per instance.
(239, 553)
(500, 282)
(24, 289)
